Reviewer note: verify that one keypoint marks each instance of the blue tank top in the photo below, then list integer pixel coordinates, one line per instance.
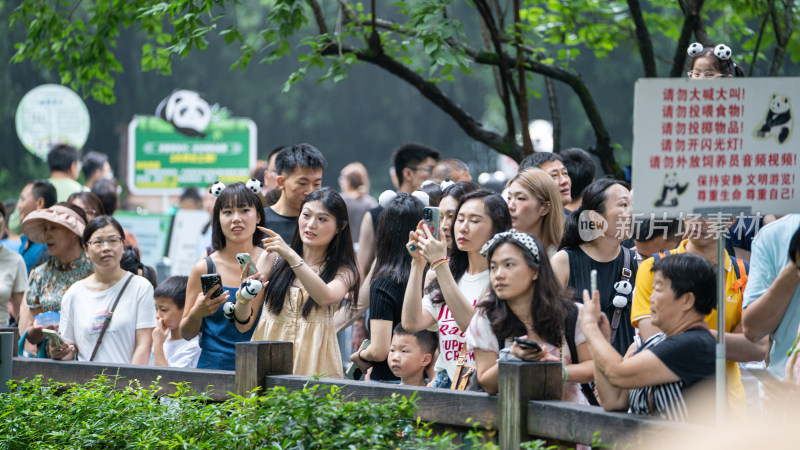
(219, 336)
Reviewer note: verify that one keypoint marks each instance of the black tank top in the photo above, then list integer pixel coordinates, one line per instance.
(608, 273)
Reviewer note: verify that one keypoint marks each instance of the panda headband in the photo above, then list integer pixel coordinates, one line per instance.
(252, 184)
(721, 51)
(523, 238)
(446, 183)
(387, 196)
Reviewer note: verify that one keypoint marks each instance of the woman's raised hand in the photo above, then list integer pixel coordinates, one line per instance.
(275, 243)
(244, 276)
(431, 248)
(413, 245)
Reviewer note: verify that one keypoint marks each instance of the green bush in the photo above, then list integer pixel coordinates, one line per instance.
(107, 414)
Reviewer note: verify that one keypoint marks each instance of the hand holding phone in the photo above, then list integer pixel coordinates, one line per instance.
(53, 335)
(432, 217)
(210, 280)
(353, 372)
(244, 259)
(527, 344)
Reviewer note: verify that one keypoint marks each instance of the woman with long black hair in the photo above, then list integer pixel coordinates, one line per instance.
(458, 280)
(527, 301)
(306, 282)
(388, 283)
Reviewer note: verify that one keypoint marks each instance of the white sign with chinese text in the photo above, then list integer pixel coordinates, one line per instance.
(710, 146)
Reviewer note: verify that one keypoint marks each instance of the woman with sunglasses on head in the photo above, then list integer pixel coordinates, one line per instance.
(526, 301)
(108, 316)
(459, 280)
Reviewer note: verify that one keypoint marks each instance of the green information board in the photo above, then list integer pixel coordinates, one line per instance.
(162, 161)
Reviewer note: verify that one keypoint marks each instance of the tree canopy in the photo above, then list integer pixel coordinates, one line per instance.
(427, 44)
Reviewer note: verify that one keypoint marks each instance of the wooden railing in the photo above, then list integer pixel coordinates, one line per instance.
(528, 405)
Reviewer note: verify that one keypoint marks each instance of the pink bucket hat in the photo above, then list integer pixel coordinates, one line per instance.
(33, 225)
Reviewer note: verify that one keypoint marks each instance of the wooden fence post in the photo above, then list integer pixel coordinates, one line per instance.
(7, 345)
(519, 382)
(256, 360)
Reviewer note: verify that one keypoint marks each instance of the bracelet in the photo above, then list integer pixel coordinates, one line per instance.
(240, 299)
(243, 322)
(438, 263)
(298, 264)
(563, 369)
(359, 356)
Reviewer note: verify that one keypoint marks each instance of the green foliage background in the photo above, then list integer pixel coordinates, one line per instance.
(366, 112)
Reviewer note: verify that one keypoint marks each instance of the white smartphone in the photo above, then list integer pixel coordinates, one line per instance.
(243, 259)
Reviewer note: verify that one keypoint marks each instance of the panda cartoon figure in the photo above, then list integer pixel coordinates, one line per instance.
(671, 190)
(779, 119)
(187, 111)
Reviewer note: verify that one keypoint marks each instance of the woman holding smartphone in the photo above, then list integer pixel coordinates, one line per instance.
(237, 213)
(306, 282)
(458, 281)
(527, 303)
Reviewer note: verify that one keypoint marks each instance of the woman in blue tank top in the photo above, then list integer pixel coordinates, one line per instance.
(237, 212)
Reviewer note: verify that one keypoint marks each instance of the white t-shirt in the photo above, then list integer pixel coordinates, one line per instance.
(451, 338)
(13, 279)
(182, 353)
(481, 336)
(83, 313)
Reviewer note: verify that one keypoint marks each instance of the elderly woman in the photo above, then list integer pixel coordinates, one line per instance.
(109, 316)
(653, 379)
(60, 227)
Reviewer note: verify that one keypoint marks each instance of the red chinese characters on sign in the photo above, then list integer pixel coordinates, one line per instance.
(706, 125)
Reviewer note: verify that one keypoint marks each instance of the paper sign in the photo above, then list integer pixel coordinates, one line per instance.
(716, 146)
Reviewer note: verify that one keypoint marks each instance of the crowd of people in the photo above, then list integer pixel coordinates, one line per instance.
(441, 278)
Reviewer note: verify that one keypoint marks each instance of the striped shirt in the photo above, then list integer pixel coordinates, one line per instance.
(690, 355)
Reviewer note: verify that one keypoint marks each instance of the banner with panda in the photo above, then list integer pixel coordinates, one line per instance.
(721, 146)
(188, 143)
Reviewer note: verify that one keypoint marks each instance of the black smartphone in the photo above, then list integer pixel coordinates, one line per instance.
(208, 281)
(432, 217)
(528, 345)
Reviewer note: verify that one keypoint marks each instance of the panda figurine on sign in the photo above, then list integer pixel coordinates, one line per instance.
(671, 190)
(779, 119)
(187, 111)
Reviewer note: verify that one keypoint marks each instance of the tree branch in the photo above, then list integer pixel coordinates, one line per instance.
(691, 14)
(758, 44)
(466, 122)
(505, 76)
(522, 92)
(781, 37)
(318, 16)
(643, 37)
(555, 112)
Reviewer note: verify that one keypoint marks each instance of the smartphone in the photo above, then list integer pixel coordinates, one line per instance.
(243, 259)
(593, 281)
(353, 372)
(53, 334)
(432, 217)
(207, 281)
(528, 345)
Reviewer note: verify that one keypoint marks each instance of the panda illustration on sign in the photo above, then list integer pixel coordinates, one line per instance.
(779, 119)
(187, 111)
(671, 190)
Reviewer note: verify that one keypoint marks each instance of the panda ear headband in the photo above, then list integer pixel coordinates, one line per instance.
(721, 51)
(446, 183)
(387, 196)
(252, 185)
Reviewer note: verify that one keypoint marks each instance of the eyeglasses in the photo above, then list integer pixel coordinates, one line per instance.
(100, 243)
(704, 75)
(426, 169)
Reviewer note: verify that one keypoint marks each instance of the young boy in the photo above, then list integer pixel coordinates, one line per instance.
(410, 354)
(169, 348)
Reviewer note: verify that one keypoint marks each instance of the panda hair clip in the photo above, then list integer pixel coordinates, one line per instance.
(721, 51)
(253, 185)
(446, 183)
(387, 196)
